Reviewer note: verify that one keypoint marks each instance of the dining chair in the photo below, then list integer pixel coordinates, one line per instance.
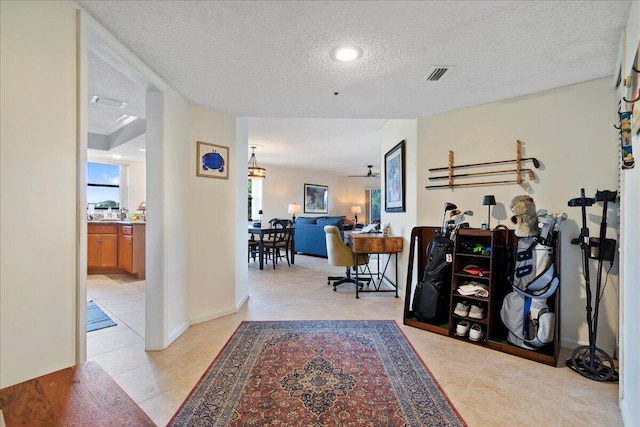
(279, 241)
(252, 247)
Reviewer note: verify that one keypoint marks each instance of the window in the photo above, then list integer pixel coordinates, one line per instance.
(103, 185)
(373, 204)
(255, 198)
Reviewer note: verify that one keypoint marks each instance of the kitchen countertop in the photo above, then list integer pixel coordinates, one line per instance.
(116, 221)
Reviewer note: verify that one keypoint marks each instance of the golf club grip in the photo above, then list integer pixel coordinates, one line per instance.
(471, 183)
(497, 162)
(462, 175)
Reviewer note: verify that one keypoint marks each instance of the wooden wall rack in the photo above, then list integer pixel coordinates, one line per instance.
(451, 174)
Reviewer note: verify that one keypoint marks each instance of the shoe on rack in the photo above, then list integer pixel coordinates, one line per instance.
(475, 333)
(462, 309)
(476, 311)
(462, 329)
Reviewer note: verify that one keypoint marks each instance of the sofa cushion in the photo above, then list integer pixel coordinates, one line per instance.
(305, 220)
(337, 221)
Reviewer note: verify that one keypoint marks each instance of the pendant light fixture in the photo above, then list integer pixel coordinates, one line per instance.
(255, 171)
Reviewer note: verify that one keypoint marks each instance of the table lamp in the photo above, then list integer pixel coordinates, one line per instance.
(143, 207)
(294, 209)
(356, 210)
(489, 201)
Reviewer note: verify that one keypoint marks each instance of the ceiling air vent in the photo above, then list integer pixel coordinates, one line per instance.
(438, 73)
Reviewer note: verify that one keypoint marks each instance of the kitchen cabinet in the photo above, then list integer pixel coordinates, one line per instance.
(102, 246)
(131, 249)
(116, 248)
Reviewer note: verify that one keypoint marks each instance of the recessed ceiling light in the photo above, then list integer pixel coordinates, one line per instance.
(142, 149)
(117, 156)
(347, 53)
(103, 100)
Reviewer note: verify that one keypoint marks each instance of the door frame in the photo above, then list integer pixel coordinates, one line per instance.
(91, 36)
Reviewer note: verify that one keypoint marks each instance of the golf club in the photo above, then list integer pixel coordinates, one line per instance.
(530, 174)
(448, 206)
(523, 184)
(535, 161)
(458, 220)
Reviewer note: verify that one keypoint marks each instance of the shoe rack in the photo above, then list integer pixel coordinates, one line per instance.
(477, 256)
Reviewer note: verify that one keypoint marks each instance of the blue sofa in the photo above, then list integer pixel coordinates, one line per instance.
(309, 234)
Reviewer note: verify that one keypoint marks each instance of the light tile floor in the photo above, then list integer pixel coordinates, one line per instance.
(488, 388)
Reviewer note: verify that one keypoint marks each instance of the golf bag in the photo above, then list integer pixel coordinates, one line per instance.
(524, 310)
(432, 291)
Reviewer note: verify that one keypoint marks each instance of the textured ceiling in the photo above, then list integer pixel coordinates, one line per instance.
(271, 59)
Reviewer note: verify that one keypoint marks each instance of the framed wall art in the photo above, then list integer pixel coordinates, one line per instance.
(316, 199)
(394, 178)
(212, 160)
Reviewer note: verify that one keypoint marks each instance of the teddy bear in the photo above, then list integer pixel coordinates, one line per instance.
(524, 216)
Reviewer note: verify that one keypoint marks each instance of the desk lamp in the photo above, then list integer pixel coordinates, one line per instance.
(294, 209)
(356, 210)
(489, 201)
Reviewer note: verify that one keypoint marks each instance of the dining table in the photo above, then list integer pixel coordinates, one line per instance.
(261, 231)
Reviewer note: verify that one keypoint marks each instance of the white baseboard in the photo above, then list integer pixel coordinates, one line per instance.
(177, 332)
(212, 315)
(242, 302)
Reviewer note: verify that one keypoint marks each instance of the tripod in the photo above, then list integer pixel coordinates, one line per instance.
(590, 361)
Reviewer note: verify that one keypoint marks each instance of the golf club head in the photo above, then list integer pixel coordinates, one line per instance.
(536, 163)
(468, 213)
(531, 175)
(454, 213)
(447, 207)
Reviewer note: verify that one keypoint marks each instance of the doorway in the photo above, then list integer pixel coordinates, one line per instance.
(108, 71)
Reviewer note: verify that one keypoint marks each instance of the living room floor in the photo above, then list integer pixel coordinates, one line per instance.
(488, 388)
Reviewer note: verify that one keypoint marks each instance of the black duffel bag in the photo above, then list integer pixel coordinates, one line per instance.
(433, 290)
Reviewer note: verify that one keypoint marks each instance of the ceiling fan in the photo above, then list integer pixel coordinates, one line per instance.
(370, 173)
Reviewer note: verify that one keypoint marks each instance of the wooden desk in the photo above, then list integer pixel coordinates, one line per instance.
(376, 243)
(261, 233)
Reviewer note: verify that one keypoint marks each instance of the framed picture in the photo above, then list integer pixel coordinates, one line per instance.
(394, 198)
(212, 160)
(316, 199)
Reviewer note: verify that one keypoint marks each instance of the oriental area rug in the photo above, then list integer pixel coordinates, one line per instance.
(317, 373)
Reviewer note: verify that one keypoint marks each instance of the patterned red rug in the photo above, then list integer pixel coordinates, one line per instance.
(317, 373)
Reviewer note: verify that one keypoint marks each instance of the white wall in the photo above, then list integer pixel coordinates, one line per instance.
(402, 223)
(175, 171)
(242, 273)
(137, 185)
(38, 174)
(570, 131)
(630, 254)
(213, 211)
(284, 186)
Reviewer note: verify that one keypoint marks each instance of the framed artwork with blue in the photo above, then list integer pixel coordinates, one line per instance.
(212, 160)
(394, 176)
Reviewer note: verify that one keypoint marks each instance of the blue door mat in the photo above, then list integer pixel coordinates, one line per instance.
(96, 318)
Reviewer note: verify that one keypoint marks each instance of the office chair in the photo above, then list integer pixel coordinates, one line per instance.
(340, 255)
